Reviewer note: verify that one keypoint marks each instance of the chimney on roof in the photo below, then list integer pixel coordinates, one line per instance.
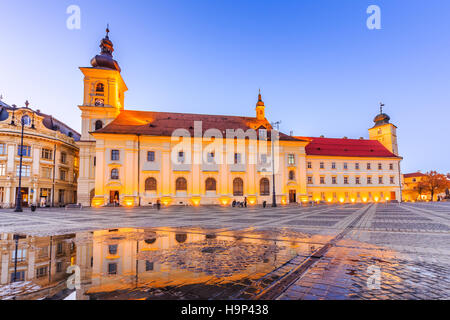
(322, 136)
(291, 133)
(361, 138)
(345, 138)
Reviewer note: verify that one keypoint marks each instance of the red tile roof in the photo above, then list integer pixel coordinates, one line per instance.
(164, 123)
(413, 175)
(347, 148)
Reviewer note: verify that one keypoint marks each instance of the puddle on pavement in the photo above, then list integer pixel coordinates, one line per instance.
(155, 263)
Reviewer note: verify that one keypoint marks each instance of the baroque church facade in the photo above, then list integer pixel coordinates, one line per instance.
(131, 157)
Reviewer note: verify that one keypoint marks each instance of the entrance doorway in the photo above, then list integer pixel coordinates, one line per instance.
(24, 196)
(292, 196)
(393, 196)
(114, 197)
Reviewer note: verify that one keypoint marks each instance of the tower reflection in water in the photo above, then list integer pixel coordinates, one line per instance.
(161, 263)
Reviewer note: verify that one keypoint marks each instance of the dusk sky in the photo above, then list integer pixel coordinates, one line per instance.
(320, 69)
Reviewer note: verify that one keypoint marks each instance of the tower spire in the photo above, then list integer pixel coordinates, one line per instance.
(260, 108)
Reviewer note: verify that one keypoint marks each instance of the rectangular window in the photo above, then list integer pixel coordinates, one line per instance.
(345, 180)
(41, 272)
(392, 180)
(356, 166)
(63, 157)
(148, 266)
(62, 175)
(59, 267)
(21, 255)
(333, 165)
(310, 180)
(334, 180)
(309, 165)
(181, 157)
(237, 158)
(47, 154)
(380, 180)
(2, 169)
(357, 180)
(59, 248)
(24, 150)
(322, 180)
(380, 166)
(391, 166)
(345, 165)
(112, 268)
(26, 170)
(115, 155)
(46, 172)
(151, 156)
(113, 249)
(20, 276)
(2, 149)
(291, 159)
(322, 165)
(369, 180)
(264, 158)
(2, 195)
(368, 166)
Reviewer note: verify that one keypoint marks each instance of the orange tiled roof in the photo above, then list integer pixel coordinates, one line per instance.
(413, 175)
(347, 148)
(164, 123)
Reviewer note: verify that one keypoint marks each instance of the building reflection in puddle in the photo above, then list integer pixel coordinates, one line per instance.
(162, 263)
(34, 267)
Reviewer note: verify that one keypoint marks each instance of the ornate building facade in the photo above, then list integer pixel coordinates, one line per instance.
(131, 157)
(50, 158)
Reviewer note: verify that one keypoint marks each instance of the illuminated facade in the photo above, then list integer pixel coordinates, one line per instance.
(128, 157)
(50, 159)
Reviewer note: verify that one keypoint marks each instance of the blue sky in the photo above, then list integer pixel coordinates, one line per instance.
(320, 69)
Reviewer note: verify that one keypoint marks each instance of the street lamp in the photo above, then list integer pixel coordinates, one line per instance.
(274, 196)
(24, 121)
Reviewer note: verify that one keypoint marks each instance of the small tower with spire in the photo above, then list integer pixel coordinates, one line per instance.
(384, 131)
(260, 108)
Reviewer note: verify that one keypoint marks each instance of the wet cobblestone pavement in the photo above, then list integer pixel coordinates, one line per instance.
(292, 252)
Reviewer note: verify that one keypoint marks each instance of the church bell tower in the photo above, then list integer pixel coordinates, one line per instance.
(103, 100)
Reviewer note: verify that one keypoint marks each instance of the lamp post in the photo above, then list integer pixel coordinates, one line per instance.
(274, 196)
(24, 121)
(16, 240)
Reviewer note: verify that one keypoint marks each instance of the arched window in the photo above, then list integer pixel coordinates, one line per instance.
(181, 184)
(238, 187)
(98, 125)
(210, 184)
(264, 187)
(181, 237)
(292, 175)
(115, 174)
(100, 87)
(150, 184)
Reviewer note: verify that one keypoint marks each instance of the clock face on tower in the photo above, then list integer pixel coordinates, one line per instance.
(99, 103)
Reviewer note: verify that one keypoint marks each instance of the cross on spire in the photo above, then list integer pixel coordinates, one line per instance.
(381, 107)
(107, 30)
(27, 103)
